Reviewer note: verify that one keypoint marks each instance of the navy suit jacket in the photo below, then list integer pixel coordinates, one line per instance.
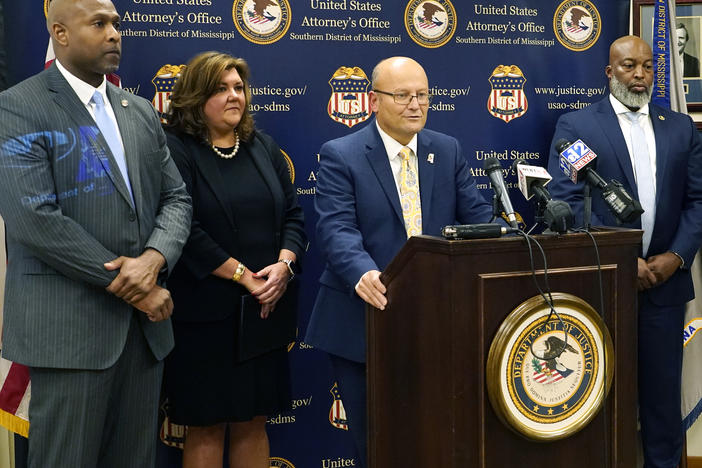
(361, 228)
(678, 223)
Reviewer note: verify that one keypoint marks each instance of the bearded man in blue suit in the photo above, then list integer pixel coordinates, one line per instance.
(656, 154)
(361, 192)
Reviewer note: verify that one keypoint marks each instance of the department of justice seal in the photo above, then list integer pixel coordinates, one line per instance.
(261, 21)
(277, 462)
(548, 376)
(430, 23)
(291, 172)
(577, 24)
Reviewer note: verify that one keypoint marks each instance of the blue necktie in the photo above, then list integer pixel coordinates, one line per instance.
(645, 183)
(108, 128)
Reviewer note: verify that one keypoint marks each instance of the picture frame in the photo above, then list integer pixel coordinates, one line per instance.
(689, 14)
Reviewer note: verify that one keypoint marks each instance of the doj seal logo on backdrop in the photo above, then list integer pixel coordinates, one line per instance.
(337, 413)
(430, 23)
(291, 172)
(548, 375)
(261, 21)
(577, 24)
(348, 103)
(277, 462)
(163, 81)
(507, 99)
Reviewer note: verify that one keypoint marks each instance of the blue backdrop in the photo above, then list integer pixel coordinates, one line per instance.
(501, 72)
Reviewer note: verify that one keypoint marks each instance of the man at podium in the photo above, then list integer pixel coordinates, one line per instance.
(377, 187)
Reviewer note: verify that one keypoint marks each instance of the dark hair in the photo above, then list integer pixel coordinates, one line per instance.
(196, 84)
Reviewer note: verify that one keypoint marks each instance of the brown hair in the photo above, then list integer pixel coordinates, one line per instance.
(198, 81)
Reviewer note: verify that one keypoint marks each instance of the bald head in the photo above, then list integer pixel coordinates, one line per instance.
(630, 71)
(627, 45)
(390, 67)
(85, 36)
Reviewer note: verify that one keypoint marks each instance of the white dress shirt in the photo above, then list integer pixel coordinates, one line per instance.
(392, 148)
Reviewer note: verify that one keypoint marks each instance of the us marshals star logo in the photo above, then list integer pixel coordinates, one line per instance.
(507, 100)
(261, 21)
(348, 103)
(163, 81)
(337, 413)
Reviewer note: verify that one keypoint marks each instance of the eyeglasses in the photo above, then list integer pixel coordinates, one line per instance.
(405, 98)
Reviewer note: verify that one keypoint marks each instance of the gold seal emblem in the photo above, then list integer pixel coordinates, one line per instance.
(261, 21)
(549, 370)
(577, 24)
(430, 23)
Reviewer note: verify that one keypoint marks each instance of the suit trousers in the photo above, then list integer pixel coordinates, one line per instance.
(97, 418)
(351, 379)
(660, 373)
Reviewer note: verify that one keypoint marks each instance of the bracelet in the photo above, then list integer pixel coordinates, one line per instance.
(240, 269)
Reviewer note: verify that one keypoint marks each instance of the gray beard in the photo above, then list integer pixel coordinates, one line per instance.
(626, 97)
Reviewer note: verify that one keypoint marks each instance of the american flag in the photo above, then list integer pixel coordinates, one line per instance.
(542, 374)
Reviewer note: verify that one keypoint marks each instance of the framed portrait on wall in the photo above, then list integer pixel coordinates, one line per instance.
(686, 43)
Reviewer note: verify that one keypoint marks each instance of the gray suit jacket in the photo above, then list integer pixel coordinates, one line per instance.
(67, 212)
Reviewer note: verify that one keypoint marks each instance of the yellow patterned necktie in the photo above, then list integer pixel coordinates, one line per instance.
(409, 195)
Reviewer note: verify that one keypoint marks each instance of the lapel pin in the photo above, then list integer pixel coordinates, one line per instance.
(430, 158)
(125, 103)
(660, 117)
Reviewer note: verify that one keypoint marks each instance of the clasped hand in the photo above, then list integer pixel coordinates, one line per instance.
(656, 269)
(267, 285)
(136, 284)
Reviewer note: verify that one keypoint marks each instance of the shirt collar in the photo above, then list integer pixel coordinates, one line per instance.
(392, 146)
(84, 90)
(620, 108)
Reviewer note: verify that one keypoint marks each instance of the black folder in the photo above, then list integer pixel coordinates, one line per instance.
(258, 336)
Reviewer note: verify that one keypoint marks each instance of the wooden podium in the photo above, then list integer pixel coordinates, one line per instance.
(427, 398)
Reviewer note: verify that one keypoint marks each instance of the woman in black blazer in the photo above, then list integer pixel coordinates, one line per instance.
(246, 237)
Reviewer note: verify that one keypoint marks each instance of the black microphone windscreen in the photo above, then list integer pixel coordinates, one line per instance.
(562, 144)
(491, 164)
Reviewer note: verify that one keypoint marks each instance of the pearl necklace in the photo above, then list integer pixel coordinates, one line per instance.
(230, 155)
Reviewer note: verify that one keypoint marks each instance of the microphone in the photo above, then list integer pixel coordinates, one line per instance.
(577, 162)
(476, 231)
(532, 180)
(556, 214)
(494, 170)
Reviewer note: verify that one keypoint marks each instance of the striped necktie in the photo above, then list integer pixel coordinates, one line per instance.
(409, 195)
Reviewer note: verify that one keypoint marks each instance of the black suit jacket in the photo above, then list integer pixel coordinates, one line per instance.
(214, 231)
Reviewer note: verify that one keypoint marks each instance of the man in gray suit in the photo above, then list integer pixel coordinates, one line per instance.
(96, 214)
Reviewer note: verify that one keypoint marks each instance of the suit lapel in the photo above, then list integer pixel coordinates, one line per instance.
(259, 156)
(127, 129)
(66, 99)
(611, 129)
(204, 159)
(378, 160)
(426, 175)
(662, 146)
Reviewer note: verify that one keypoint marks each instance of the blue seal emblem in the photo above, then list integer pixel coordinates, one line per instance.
(549, 370)
(577, 24)
(261, 21)
(430, 23)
